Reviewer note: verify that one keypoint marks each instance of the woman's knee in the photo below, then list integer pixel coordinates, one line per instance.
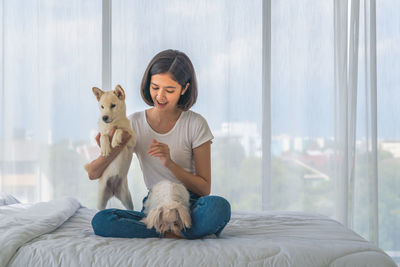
(217, 205)
(210, 215)
(100, 221)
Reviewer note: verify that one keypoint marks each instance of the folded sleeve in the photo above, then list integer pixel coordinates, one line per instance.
(201, 132)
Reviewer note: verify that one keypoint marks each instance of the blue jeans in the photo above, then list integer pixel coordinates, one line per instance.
(209, 216)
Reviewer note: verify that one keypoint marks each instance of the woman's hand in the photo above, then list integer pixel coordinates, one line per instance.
(161, 151)
(96, 168)
(125, 137)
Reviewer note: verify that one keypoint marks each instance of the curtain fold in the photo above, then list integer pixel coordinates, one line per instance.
(371, 112)
(343, 122)
(347, 95)
(266, 106)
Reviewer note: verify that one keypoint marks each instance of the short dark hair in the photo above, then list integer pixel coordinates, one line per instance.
(178, 65)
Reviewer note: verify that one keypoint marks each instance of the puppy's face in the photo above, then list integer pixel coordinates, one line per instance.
(173, 217)
(111, 104)
(170, 221)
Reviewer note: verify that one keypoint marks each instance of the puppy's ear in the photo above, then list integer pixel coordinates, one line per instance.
(97, 92)
(119, 92)
(148, 220)
(145, 220)
(184, 216)
(152, 219)
(159, 220)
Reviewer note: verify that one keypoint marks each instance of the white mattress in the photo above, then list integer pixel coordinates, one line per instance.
(65, 238)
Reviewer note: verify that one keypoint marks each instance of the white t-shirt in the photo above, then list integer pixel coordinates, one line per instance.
(190, 131)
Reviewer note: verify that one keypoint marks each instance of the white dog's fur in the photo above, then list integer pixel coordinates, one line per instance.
(167, 208)
(114, 181)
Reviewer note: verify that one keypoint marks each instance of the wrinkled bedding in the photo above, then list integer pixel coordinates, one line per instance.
(59, 233)
(7, 199)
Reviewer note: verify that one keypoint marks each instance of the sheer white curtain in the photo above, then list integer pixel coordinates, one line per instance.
(51, 57)
(356, 171)
(332, 149)
(302, 106)
(388, 110)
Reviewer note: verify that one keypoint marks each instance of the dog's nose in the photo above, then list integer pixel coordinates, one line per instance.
(105, 118)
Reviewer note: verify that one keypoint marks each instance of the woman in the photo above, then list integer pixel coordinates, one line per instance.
(173, 143)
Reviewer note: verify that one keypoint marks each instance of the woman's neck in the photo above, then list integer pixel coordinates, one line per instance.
(166, 116)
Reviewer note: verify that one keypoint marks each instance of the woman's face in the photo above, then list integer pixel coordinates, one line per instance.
(165, 92)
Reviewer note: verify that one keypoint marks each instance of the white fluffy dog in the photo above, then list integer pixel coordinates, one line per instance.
(167, 208)
(114, 181)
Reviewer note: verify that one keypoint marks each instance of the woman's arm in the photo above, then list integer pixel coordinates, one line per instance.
(96, 168)
(200, 183)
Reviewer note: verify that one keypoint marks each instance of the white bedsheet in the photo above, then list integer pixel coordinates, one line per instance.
(250, 239)
(20, 223)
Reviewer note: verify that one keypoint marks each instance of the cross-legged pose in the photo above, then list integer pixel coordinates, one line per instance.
(173, 143)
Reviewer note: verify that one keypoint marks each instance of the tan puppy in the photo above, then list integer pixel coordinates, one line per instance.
(167, 208)
(114, 181)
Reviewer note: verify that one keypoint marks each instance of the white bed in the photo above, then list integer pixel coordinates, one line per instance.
(59, 233)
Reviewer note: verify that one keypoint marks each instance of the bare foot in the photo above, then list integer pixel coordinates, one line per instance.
(171, 235)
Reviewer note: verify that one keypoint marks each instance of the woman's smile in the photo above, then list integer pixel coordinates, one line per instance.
(161, 104)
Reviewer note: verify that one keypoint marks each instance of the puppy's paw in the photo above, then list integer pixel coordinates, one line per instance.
(105, 151)
(117, 138)
(87, 167)
(105, 145)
